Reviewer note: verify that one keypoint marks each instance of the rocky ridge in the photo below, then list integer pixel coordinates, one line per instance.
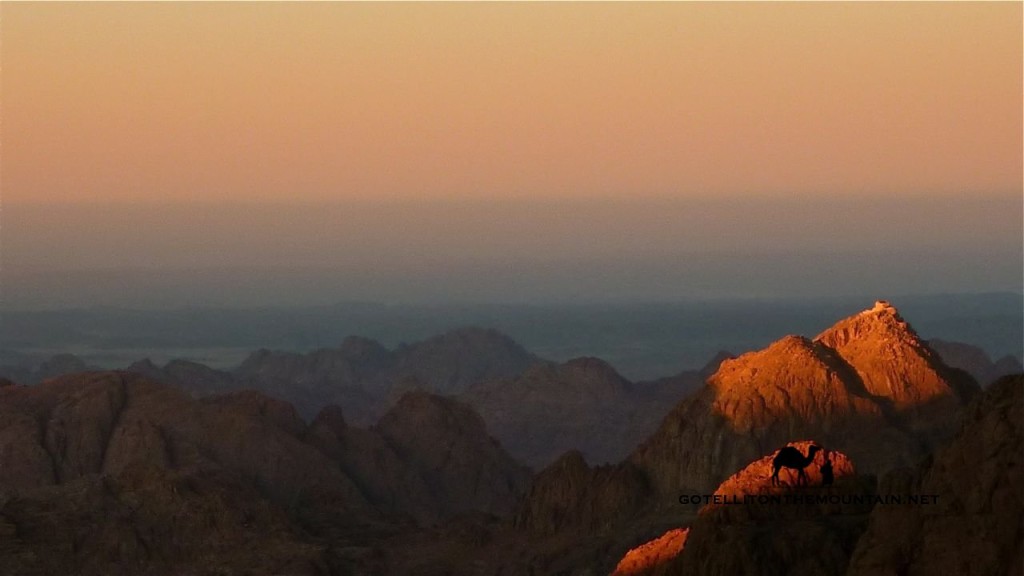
(582, 404)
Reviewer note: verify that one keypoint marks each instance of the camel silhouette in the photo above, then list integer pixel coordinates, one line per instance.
(790, 457)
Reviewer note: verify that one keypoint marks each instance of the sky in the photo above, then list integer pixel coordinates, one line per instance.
(497, 151)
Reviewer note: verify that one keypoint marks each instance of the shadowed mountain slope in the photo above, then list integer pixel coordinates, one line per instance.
(975, 528)
(583, 404)
(243, 469)
(975, 361)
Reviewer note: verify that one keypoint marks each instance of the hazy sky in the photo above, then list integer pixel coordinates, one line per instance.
(393, 140)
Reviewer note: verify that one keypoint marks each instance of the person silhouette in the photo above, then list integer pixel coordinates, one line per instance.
(826, 471)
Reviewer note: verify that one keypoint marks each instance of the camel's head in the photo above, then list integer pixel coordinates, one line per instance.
(813, 449)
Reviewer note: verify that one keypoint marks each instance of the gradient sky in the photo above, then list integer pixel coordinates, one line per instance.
(202, 135)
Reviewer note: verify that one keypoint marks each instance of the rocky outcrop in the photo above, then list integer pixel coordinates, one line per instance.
(975, 526)
(651, 558)
(975, 361)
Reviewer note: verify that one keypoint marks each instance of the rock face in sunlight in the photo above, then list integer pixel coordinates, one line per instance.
(976, 526)
(650, 558)
(182, 479)
(756, 477)
(868, 386)
(893, 363)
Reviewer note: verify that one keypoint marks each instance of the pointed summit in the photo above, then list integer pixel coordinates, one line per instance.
(892, 360)
(882, 322)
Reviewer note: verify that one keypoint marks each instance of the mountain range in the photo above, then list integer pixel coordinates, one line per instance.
(172, 469)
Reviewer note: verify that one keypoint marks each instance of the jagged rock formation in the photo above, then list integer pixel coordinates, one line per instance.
(975, 361)
(975, 527)
(223, 473)
(583, 404)
(868, 386)
(571, 496)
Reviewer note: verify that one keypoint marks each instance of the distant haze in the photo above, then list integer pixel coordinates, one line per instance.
(159, 154)
(519, 251)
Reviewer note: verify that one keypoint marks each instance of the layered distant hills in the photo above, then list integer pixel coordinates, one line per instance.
(368, 460)
(537, 408)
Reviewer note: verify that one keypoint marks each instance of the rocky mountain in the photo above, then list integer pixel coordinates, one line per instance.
(868, 385)
(113, 471)
(975, 361)
(830, 388)
(582, 404)
(975, 527)
(185, 480)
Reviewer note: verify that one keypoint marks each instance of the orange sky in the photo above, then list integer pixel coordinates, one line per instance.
(177, 102)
